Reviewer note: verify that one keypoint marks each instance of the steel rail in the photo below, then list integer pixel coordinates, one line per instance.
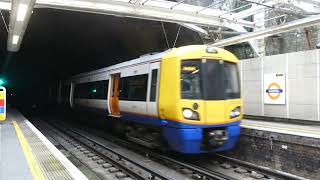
(270, 172)
(252, 167)
(77, 136)
(196, 170)
(202, 171)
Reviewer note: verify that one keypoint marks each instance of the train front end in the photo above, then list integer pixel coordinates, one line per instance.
(200, 101)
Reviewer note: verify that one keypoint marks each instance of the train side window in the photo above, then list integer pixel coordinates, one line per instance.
(123, 88)
(98, 89)
(92, 90)
(76, 93)
(105, 89)
(65, 91)
(85, 88)
(134, 88)
(154, 79)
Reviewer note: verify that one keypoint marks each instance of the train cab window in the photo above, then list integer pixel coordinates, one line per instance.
(232, 81)
(154, 80)
(133, 88)
(190, 79)
(224, 80)
(209, 80)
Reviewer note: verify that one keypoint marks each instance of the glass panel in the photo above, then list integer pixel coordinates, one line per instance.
(92, 90)
(213, 77)
(134, 88)
(232, 85)
(190, 79)
(209, 80)
(154, 79)
(65, 92)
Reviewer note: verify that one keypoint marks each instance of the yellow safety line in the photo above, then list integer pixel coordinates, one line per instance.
(32, 162)
(281, 128)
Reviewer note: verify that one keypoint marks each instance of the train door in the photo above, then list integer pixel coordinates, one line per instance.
(114, 96)
(153, 86)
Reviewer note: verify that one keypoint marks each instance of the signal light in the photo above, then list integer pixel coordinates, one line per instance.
(2, 82)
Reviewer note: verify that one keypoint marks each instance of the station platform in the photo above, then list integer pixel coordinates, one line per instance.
(282, 128)
(27, 154)
(281, 146)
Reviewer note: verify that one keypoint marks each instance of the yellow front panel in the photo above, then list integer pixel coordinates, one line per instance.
(170, 102)
(199, 52)
(215, 112)
(185, 103)
(218, 112)
(2, 95)
(169, 93)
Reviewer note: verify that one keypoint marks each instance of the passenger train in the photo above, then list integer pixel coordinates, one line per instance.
(186, 99)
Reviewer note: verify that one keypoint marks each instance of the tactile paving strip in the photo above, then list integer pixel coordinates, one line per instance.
(49, 164)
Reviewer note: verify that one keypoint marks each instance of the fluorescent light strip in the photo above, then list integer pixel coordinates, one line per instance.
(15, 39)
(5, 5)
(22, 12)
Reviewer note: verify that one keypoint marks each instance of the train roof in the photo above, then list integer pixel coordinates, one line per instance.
(191, 51)
(142, 59)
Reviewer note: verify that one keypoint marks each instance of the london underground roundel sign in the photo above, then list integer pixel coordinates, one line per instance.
(275, 88)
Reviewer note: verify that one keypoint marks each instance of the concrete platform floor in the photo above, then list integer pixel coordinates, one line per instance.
(26, 154)
(283, 128)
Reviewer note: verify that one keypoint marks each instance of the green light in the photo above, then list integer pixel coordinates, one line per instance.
(2, 82)
(94, 90)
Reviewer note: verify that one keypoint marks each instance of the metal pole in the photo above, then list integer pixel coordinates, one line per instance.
(178, 3)
(165, 34)
(283, 15)
(258, 3)
(174, 44)
(293, 25)
(211, 5)
(4, 21)
(241, 7)
(144, 2)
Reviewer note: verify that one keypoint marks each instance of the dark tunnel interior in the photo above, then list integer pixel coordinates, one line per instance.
(59, 43)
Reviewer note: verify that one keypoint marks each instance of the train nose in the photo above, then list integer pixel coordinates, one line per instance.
(217, 137)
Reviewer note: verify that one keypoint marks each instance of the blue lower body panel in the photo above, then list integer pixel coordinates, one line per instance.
(190, 140)
(187, 138)
(183, 140)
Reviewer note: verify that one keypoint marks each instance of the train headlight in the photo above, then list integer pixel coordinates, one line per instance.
(190, 114)
(235, 113)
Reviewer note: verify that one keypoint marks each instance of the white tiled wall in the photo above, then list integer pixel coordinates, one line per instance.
(302, 79)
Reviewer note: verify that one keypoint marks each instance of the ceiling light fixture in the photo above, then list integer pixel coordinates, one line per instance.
(22, 12)
(15, 39)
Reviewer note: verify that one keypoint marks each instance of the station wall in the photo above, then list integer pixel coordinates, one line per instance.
(301, 70)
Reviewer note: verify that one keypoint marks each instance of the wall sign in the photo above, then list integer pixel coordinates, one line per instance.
(2, 103)
(275, 88)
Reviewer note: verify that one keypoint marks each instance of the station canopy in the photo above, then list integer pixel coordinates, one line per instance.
(243, 20)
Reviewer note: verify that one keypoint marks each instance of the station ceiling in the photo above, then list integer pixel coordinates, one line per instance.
(61, 43)
(242, 16)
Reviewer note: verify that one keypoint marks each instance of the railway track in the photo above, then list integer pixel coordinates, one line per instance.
(126, 164)
(252, 167)
(99, 143)
(217, 164)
